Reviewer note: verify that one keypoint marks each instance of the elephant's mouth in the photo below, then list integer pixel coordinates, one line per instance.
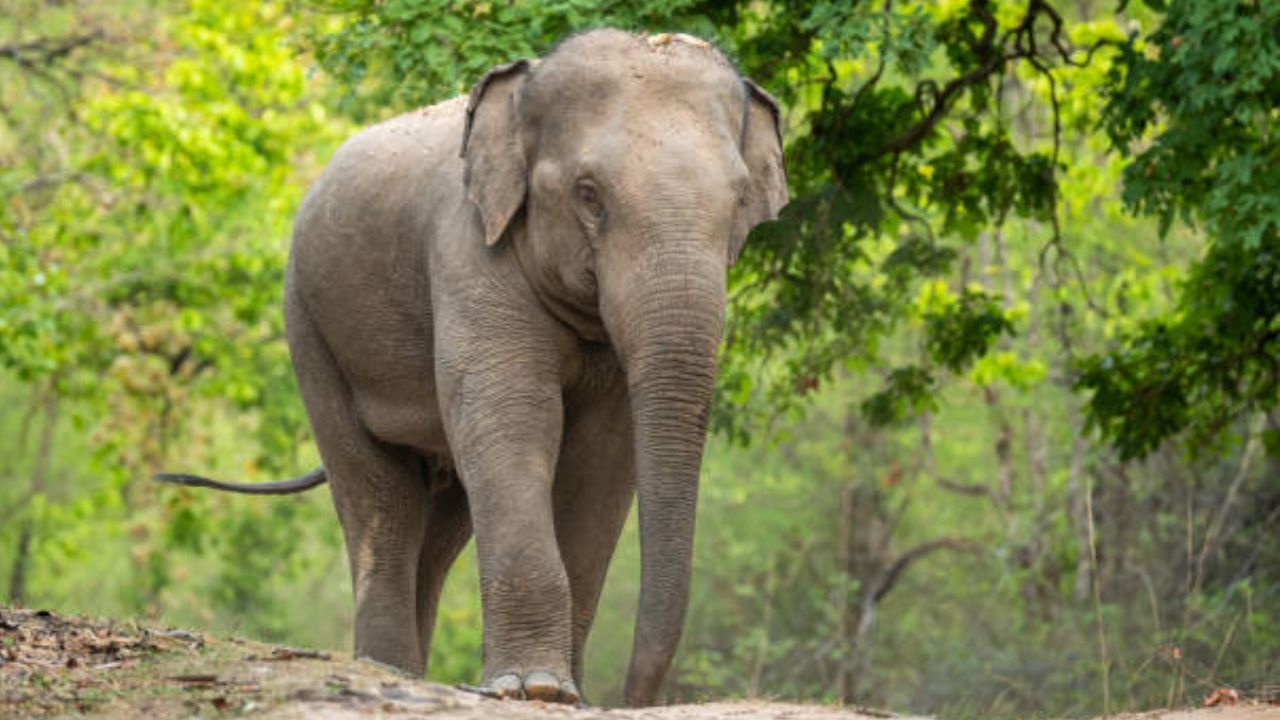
(583, 320)
(576, 307)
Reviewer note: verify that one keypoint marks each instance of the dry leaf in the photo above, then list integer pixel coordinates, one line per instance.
(1222, 696)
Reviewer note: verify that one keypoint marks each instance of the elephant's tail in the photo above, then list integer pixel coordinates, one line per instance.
(299, 484)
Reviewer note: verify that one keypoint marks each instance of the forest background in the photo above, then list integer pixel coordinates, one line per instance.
(996, 432)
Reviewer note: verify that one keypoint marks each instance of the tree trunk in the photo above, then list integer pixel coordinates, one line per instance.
(1037, 442)
(39, 482)
(1077, 509)
(844, 614)
(863, 640)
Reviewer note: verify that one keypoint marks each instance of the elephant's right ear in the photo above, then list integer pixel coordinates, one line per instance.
(762, 152)
(496, 169)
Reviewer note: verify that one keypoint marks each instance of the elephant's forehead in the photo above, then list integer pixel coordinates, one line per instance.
(602, 63)
(616, 44)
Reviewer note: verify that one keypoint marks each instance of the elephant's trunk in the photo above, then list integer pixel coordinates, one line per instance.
(671, 329)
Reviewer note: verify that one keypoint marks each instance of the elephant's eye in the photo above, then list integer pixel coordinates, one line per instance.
(590, 199)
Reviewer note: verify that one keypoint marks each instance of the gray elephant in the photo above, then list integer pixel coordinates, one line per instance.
(503, 313)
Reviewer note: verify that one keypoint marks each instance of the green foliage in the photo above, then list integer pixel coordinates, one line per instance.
(957, 331)
(403, 53)
(907, 392)
(142, 257)
(884, 152)
(961, 331)
(178, 189)
(1194, 108)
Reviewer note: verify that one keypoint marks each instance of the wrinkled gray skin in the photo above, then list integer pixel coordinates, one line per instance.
(503, 314)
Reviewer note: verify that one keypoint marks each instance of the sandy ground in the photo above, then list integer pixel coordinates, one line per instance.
(57, 666)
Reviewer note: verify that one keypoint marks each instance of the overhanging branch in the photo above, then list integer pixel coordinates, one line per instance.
(45, 51)
(43, 57)
(993, 56)
(891, 575)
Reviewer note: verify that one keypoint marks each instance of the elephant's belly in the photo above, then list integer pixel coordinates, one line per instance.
(404, 413)
(390, 370)
(373, 325)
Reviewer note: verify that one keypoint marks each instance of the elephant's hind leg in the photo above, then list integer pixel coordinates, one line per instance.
(447, 532)
(380, 494)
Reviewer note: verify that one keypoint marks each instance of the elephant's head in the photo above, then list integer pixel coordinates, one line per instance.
(640, 164)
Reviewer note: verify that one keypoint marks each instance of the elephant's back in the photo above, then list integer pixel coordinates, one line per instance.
(388, 170)
(359, 266)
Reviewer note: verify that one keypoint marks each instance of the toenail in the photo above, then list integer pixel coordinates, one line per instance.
(507, 686)
(542, 686)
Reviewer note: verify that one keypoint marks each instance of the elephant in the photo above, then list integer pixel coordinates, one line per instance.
(504, 312)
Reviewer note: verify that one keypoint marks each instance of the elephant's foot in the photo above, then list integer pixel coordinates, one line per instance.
(535, 686)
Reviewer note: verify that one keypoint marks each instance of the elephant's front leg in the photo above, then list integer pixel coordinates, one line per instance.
(505, 424)
(595, 485)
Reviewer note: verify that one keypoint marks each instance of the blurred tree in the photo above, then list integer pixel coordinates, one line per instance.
(148, 170)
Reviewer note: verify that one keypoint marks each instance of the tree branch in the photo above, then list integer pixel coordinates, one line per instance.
(970, 489)
(942, 98)
(54, 180)
(41, 56)
(895, 570)
(1024, 48)
(46, 51)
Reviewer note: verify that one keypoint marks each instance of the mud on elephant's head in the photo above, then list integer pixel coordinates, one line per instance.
(626, 154)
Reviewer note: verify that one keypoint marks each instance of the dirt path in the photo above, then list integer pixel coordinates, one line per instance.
(56, 666)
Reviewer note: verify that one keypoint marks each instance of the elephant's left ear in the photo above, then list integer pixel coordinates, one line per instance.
(496, 169)
(762, 152)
